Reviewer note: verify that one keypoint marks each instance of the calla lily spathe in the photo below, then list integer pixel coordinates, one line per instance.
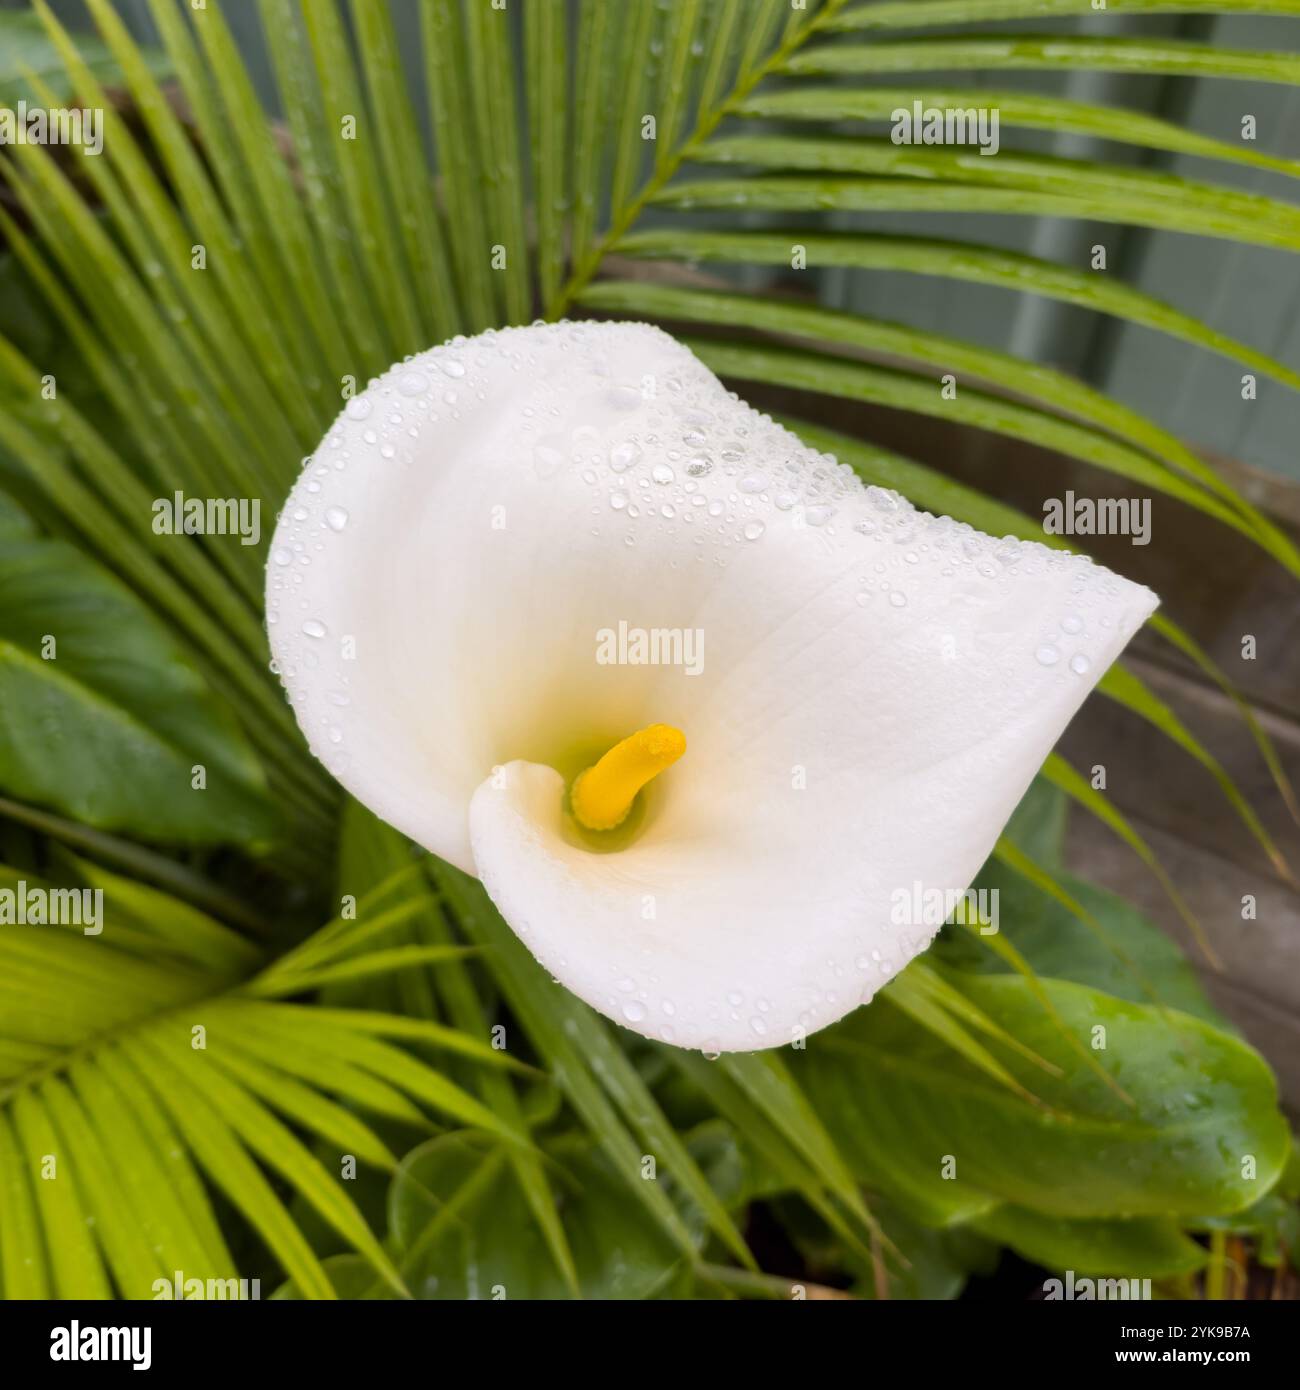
(864, 691)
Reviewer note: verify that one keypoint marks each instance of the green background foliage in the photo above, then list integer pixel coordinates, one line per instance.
(374, 1035)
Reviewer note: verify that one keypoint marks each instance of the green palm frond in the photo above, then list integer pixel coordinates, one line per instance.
(165, 1028)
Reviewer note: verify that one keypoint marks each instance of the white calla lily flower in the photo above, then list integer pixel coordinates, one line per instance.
(707, 716)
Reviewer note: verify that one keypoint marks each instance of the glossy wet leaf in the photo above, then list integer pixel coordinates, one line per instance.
(906, 1109)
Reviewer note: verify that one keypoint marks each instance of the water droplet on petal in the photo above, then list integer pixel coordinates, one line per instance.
(623, 456)
(1047, 655)
(313, 628)
(336, 518)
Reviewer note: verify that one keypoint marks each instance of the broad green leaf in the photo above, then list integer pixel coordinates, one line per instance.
(1148, 1248)
(109, 724)
(903, 1104)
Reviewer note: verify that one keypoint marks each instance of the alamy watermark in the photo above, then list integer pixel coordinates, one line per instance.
(53, 125)
(179, 515)
(947, 125)
(653, 646)
(1096, 1290)
(1099, 516)
(179, 1288)
(75, 1342)
(919, 906)
(27, 905)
